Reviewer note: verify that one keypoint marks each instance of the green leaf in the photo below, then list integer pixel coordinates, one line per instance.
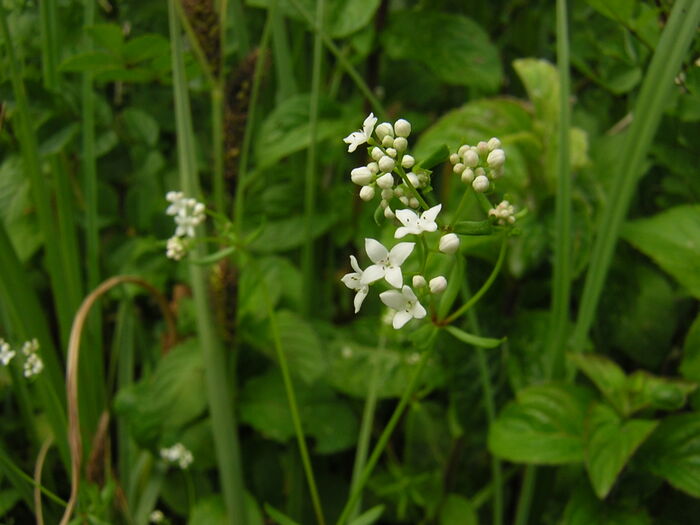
(584, 508)
(369, 516)
(8, 499)
(544, 426)
(617, 10)
(94, 61)
(672, 239)
(610, 443)
(145, 47)
(280, 519)
(302, 346)
(441, 154)
(211, 511)
(109, 36)
(474, 340)
(282, 285)
(541, 82)
(216, 256)
(289, 233)
(658, 393)
(474, 227)
(690, 366)
(607, 376)
(454, 47)
(458, 510)
(140, 126)
(348, 16)
(59, 140)
(673, 452)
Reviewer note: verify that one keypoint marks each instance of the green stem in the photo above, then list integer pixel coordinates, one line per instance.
(561, 280)
(240, 29)
(460, 208)
(307, 254)
(485, 287)
(522, 513)
(413, 190)
(217, 137)
(294, 409)
(49, 43)
(384, 438)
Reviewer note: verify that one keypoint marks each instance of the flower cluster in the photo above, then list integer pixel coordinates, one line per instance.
(479, 165)
(188, 214)
(504, 213)
(33, 364)
(179, 454)
(156, 516)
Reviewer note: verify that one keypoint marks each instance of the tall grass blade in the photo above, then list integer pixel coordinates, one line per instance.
(49, 43)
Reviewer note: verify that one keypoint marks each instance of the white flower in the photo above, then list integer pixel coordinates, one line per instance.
(449, 243)
(188, 213)
(402, 128)
(437, 284)
(6, 353)
(360, 137)
(414, 224)
(177, 454)
(354, 282)
(406, 305)
(33, 365)
(30, 347)
(176, 248)
(156, 517)
(387, 264)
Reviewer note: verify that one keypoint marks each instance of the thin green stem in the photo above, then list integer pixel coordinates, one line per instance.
(294, 409)
(341, 58)
(522, 513)
(484, 288)
(460, 208)
(561, 280)
(217, 137)
(413, 190)
(653, 98)
(307, 254)
(49, 43)
(240, 28)
(384, 438)
(284, 66)
(218, 385)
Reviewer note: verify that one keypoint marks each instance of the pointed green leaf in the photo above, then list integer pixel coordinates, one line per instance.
(474, 340)
(368, 517)
(458, 510)
(607, 376)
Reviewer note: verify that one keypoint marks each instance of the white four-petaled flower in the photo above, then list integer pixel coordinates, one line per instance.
(360, 137)
(414, 224)
(387, 263)
(354, 282)
(6, 353)
(406, 305)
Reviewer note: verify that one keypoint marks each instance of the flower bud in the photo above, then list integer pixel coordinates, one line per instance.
(471, 159)
(458, 168)
(437, 284)
(454, 159)
(449, 243)
(462, 150)
(367, 193)
(467, 176)
(407, 162)
(413, 179)
(404, 200)
(361, 176)
(413, 203)
(496, 158)
(377, 153)
(402, 128)
(388, 141)
(383, 130)
(482, 148)
(481, 184)
(388, 213)
(386, 164)
(387, 193)
(383, 204)
(418, 281)
(400, 144)
(391, 151)
(494, 143)
(385, 181)
(479, 172)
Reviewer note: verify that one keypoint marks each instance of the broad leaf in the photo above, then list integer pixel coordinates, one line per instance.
(545, 426)
(585, 509)
(659, 393)
(369, 517)
(610, 443)
(672, 239)
(607, 376)
(211, 511)
(458, 510)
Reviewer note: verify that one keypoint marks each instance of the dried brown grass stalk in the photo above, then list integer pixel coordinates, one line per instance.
(38, 468)
(74, 437)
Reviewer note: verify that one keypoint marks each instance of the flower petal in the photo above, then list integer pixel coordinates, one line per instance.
(393, 276)
(371, 274)
(401, 232)
(360, 297)
(352, 281)
(432, 213)
(407, 217)
(418, 311)
(400, 253)
(368, 124)
(400, 319)
(376, 250)
(407, 292)
(355, 266)
(393, 299)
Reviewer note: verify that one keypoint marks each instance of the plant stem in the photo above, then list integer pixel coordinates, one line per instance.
(522, 513)
(49, 43)
(217, 137)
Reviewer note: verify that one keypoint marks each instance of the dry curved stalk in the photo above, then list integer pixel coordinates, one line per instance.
(38, 467)
(74, 438)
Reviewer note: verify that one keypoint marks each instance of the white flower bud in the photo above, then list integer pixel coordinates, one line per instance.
(388, 213)
(437, 284)
(413, 203)
(377, 153)
(383, 204)
(449, 243)
(386, 164)
(494, 143)
(385, 181)
(387, 193)
(404, 200)
(402, 128)
(400, 143)
(407, 162)
(454, 159)
(482, 148)
(458, 168)
(398, 191)
(361, 176)
(496, 158)
(462, 150)
(481, 184)
(383, 130)
(471, 159)
(367, 193)
(479, 172)
(391, 151)
(388, 141)
(373, 167)
(413, 179)
(467, 176)
(418, 281)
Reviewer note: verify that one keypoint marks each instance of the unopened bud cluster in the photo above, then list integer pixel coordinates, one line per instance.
(33, 364)
(504, 213)
(177, 454)
(188, 213)
(479, 165)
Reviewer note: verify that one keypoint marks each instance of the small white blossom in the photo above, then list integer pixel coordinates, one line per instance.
(413, 179)
(504, 212)
(367, 193)
(480, 184)
(482, 148)
(454, 158)
(30, 347)
(176, 248)
(188, 213)
(346, 352)
(449, 243)
(402, 128)
(406, 305)
(417, 225)
(437, 284)
(373, 167)
(387, 193)
(354, 282)
(388, 141)
(458, 168)
(413, 203)
(156, 517)
(179, 454)
(361, 176)
(413, 358)
(360, 137)
(387, 264)
(33, 365)
(6, 353)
